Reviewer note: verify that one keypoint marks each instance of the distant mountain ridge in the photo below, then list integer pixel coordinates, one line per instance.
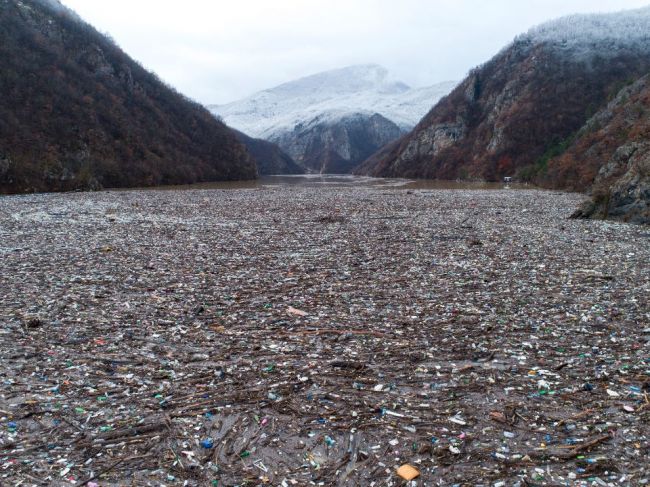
(361, 89)
(524, 107)
(340, 116)
(77, 113)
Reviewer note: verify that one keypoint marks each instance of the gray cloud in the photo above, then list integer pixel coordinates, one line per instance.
(216, 51)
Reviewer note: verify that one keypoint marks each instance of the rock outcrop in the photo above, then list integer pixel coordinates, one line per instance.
(269, 157)
(77, 113)
(613, 151)
(337, 146)
(627, 197)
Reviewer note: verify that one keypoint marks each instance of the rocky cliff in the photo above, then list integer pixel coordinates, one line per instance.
(76, 112)
(523, 107)
(337, 146)
(613, 151)
(269, 157)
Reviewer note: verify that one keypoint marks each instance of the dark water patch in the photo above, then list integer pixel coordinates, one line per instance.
(344, 181)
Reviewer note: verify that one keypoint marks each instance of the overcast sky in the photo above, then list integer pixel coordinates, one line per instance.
(217, 51)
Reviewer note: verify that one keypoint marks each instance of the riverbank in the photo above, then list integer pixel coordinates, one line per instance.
(288, 335)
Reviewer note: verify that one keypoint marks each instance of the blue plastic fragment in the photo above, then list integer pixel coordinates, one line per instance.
(207, 443)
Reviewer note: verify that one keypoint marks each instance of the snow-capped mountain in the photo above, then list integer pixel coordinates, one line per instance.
(334, 94)
(589, 34)
(323, 116)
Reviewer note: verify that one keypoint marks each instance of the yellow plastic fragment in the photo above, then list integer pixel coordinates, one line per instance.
(408, 472)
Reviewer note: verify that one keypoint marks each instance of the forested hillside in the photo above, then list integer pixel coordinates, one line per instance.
(76, 112)
(510, 116)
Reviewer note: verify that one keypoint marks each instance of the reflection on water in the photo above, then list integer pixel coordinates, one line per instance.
(346, 181)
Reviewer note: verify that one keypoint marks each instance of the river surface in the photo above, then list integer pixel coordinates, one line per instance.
(344, 181)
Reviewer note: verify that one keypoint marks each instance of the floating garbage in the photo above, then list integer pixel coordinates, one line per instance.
(207, 443)
(408, 472)
(237, 338)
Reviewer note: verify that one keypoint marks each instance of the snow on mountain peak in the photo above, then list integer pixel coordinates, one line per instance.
(595, 33)
(58, 7)
(351, 79)
(365, 89)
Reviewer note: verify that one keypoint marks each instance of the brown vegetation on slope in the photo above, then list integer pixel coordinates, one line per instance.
(76, 112)
(511, 115)
(612, 151)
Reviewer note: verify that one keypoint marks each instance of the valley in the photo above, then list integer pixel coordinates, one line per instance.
(332, 277)
(331, 122)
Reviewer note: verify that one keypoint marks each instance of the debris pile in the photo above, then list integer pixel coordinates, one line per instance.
(321, 336)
